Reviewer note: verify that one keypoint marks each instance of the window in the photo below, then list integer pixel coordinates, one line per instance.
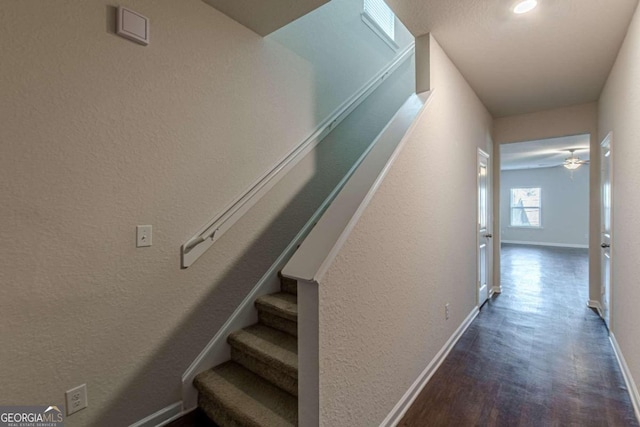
(381, 19)
(526, 205)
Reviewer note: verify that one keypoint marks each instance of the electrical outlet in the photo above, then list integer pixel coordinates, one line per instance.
(447, 311)
(76, 399)
(143, 236)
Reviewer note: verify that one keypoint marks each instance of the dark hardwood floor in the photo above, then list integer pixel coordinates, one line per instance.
(196, 418)
(535, 355)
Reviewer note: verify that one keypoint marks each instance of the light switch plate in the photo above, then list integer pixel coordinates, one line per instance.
(144, 233)
(133, 26)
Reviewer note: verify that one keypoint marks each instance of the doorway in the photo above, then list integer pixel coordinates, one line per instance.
(606, 226)
(544, 212)
(484, 236)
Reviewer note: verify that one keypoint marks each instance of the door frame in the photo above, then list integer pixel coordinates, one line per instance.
(606, 312)
(483, 155)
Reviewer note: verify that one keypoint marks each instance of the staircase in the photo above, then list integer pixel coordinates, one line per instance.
(259, 385)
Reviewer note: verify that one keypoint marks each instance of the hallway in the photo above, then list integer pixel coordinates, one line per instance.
(535, 356)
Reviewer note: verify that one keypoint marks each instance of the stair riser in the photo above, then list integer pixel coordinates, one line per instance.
(279, 323)
(265, 358)
(284, 313)
(274, 376)
(289, 285)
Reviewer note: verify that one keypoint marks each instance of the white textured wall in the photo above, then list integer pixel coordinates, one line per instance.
(565, 205)
(100, 134)
(574, 120)
(619, 112)
(381, 315)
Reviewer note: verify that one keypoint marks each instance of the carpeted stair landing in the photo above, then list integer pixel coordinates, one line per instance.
(259, 385)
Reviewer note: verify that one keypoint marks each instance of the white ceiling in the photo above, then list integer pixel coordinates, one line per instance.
(543, 153)
(559, 54)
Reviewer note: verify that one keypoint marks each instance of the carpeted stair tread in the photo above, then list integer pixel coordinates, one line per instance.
(270, 346)
(233, 396)
(281, 304)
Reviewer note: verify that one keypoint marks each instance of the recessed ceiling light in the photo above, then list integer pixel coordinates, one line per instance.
(525, 6)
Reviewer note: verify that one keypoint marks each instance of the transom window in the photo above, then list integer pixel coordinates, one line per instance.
(526, 206)
(381, 19)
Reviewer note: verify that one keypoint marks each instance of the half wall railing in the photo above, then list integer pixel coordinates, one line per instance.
(315, 255)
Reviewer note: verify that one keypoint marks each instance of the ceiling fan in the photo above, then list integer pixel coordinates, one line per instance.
(573, 162)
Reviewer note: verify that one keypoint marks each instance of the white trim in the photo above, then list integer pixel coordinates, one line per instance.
(558, 245)
(596, 306)
(308, 354)
(626, 373)
(398, 411)
(195, 246)
(488, 242)
(162, 417)
(496, 290)
(608, 309)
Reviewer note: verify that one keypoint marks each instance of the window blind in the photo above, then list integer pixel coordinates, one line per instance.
(381, 15)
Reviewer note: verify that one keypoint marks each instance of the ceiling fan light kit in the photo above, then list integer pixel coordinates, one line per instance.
(573, 162)
(571, 165)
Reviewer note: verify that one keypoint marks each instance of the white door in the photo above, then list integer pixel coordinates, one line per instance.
(484, 235)
(606, 230)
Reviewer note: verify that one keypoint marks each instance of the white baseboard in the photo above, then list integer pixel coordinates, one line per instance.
(626, 373)
(558, 245)
(595, 305)
(398, 411)
(496, 290)
(163, 417)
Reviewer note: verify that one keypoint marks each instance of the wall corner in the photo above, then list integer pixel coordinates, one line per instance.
(423, 63)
